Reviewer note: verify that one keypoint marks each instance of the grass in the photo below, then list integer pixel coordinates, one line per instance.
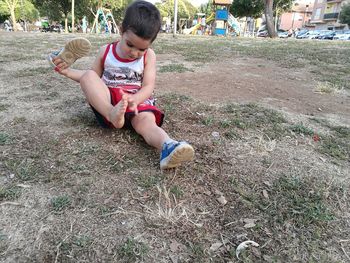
(245, 117)
(9, 193)
(297, 205)
(98, 195)
(300, 128)
(179, 68)
(60, 203)
(133, 250)
(328, 88)
(25, 170)
(4, 138)
(327, 58)
(4, 107)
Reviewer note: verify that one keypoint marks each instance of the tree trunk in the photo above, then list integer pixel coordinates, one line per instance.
(12, 6)
(72, 16)
(66, 25)
(13, 18)
(269, 18)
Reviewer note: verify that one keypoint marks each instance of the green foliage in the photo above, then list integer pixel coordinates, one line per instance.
(54, 9)
(252, 8)
(26, 11)
(185, 9)
(255, 8)
(207, 8)
(345, 14)
(4, 10)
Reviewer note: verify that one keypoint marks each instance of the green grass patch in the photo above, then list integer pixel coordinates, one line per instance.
(176, 191)
(300, 128)
(179, 68)
(60, 203)
(335, 147)
(9, 193)
(4, 138)
(252, 116)
(24, 170)
(301, 201)
(133, 250)
(336, 144)
(4, 107)
(148, 181)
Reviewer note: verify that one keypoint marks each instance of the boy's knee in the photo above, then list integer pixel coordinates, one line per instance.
(88, 76)
(142, 121)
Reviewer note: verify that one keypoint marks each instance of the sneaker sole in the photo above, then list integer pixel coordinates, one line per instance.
(73, 50)
(182, 153)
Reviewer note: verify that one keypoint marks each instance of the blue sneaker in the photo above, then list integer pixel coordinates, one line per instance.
(175, 153)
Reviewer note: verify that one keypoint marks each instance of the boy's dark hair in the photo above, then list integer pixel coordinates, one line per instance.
(143, 19)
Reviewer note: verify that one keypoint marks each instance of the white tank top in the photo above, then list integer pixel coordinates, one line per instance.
(122, 72)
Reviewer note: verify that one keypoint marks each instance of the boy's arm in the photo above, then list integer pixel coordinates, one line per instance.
(149, 79)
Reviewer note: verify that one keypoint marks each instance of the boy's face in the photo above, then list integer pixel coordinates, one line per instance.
(133, 46)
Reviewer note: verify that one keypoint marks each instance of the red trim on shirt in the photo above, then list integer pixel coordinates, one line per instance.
(105, 55)
(119, 58)
(144, 59)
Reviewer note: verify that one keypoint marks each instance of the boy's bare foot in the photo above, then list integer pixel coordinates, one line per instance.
(116, 116)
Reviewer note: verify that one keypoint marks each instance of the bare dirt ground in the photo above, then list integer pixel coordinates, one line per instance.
(271, 164)
(245, 80)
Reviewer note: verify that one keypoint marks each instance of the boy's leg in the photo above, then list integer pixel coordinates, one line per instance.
(145, 124)
(173, 153)
(98, 95)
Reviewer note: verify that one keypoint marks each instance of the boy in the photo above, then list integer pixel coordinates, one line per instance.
(120, 85)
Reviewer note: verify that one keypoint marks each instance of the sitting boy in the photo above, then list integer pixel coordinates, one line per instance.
(120, 85)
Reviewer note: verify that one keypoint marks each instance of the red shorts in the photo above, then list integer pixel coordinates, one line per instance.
(116, 96)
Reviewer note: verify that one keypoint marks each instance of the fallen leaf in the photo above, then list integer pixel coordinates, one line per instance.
(222, 200)
(174, 246)
(265, 194)
(242, 246)
(249, 225)
(215, 246)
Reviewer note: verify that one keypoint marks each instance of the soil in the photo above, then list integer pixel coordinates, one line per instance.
(244, 80)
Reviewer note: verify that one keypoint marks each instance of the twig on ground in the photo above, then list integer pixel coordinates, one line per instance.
(11, 203)
(346, 254)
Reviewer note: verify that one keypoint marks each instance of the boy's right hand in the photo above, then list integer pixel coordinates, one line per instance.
(61, 66)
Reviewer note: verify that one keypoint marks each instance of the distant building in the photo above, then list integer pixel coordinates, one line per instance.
(298, 17)
(325, 14)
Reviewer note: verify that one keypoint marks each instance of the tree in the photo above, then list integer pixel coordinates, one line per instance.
(345, 14)
(269, 18)
(255, 8)
(185, 9)
(55, 9)
(207, 8)
(249, 8)
(10, 7)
